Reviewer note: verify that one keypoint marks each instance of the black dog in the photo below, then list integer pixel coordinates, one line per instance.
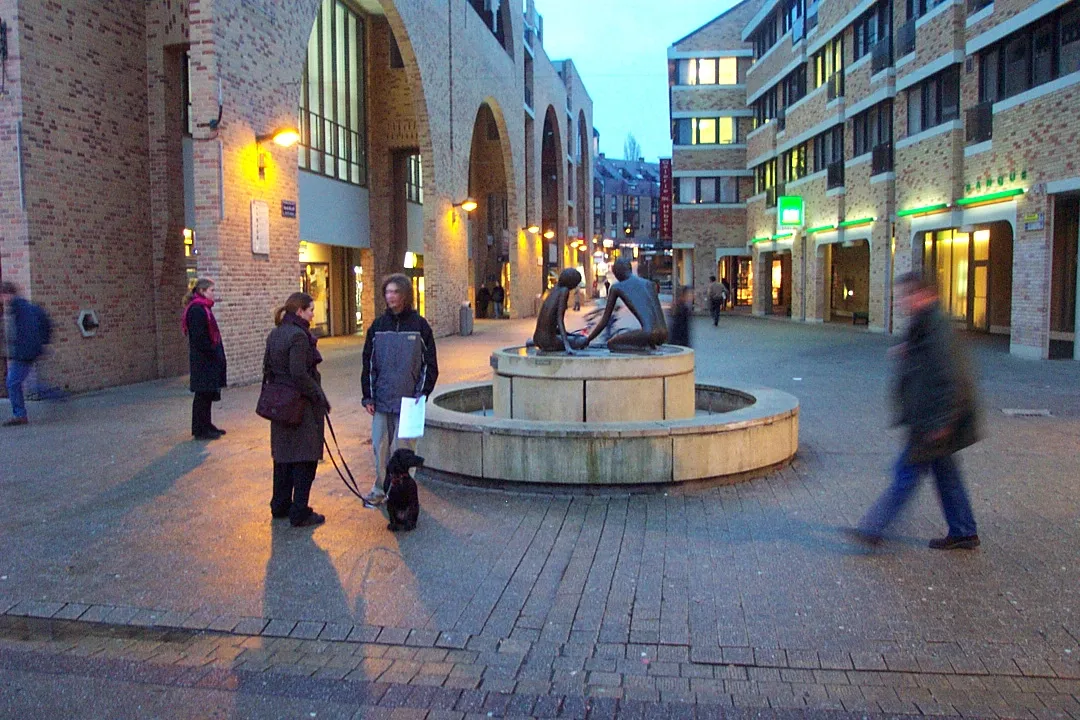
(402, 500)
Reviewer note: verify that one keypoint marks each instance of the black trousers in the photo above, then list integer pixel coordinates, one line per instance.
(715, 306)
(200, 413)
(292, 489)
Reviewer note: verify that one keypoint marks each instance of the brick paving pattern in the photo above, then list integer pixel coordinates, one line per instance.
(161, 567)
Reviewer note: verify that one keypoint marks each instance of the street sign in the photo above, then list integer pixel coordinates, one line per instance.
(789, 211)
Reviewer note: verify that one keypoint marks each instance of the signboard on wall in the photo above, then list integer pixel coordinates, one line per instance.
(260, 227)
(666, 194)
(789, 211)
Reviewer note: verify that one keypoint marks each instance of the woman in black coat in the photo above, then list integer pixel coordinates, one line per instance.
(206, 355)
(291, 359)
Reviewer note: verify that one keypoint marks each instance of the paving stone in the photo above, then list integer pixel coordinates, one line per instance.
(251, 626)
(71, 611)
(393, 636)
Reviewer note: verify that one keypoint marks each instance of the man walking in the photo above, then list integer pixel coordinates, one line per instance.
(399, 362)
(498, 296)
(717, 297)
(27, 330)
(935, 399)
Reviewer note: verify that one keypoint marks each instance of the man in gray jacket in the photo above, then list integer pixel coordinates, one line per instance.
(399, 362)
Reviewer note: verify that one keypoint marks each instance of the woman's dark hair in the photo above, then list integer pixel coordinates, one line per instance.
(198, 288)
(404, 286)
(297, 301)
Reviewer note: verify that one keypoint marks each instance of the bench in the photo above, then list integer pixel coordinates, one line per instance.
(860, 318)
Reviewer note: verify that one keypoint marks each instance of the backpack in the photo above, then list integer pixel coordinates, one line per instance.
(44, 325)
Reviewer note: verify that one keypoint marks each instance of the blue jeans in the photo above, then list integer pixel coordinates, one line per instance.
(17, 373)
(906, 476)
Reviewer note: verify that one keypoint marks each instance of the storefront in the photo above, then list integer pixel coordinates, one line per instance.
(736, 269)
(973, 270)
(334, 278)
(847, 295)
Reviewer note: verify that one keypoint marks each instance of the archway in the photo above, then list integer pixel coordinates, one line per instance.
(551, 190)
(489, 225)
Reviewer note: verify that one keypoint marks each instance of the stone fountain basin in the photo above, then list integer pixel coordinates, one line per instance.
(736, 432)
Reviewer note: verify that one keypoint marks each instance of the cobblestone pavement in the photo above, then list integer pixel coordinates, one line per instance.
(165, 578)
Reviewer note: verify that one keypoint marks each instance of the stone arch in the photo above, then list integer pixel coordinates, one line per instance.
(552, 189)
(493, 225)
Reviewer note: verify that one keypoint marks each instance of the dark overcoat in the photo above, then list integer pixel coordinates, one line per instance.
(934, 390)
(208, 370)
(290, 360)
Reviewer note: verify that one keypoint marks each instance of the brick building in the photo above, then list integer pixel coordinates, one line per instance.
(134, 155)
(934, 137)
(626, 214)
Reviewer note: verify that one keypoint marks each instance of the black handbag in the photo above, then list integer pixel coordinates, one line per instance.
(280, 403)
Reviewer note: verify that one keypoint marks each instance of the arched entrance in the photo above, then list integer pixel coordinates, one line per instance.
(489, 225)
(551, 184)
(847, 281)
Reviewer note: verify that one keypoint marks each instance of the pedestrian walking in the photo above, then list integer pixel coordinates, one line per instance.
(399, 362)
(498, 296)
(28, 330)
(206, 357)
(726, 297)
(681, 313)
(483, 297)
(717, 296)
(934, 398)
(577, 299)
(292, 358)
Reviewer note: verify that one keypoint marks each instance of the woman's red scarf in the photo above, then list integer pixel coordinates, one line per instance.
(207, 303)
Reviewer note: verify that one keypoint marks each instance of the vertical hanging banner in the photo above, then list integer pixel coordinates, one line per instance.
(666, 192)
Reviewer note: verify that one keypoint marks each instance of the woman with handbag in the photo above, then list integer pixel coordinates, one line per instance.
(206, 355)
(292, 394)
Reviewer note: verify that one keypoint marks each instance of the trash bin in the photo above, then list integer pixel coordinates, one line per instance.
(465, 319)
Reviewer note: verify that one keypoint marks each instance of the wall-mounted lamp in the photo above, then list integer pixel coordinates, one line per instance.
(549, 234)
(533, 229)
(410, 260)
(283, 136)
(468, 205)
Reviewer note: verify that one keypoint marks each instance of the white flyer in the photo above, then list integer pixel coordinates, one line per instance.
(411, 419)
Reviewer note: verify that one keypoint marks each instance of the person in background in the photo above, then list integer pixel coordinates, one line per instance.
(498, 296)
(292, 358)
(935, 399)
(399, 362)
(726, 295)
(28, 330)
(483, 297)
(681, 314)
(206, 356)
(716, 299)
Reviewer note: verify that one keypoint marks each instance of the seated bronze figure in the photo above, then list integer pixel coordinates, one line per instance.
(550, 334)
(639, 295)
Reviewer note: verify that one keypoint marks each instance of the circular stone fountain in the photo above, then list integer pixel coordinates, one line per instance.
(600, 418)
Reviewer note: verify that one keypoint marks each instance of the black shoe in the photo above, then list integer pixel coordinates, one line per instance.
(14, 422)
(208, 435)
(949, 542)
(215, 428)
(312, 519)
(279, 514)
(863, 537)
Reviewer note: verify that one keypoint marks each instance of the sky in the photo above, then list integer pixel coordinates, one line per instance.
(620, 49)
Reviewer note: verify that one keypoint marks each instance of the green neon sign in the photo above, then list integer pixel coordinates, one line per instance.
(992, 197)
(859, 221)
(924, 210)
(781, 236)
(760, 239)
(789, 210)
(821, 228)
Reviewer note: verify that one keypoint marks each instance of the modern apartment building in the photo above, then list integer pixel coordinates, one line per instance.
(930, 137)
(626, 213)
(137, 150)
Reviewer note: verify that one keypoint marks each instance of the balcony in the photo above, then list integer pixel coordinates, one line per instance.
(881, 161)
(905, 38)
(835, 86)
(835, 175)
(979, 123)
(881, 55)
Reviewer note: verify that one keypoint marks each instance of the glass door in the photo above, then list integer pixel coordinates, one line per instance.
(980, 280)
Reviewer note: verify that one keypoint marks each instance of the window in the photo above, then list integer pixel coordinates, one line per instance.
(934, 101)
(185, 91)
(332, 96)
(872, 27)
(918, 8)
(705, 131)
(414, 185)
(764, 37)
(829, 62)
(765, 176)
(765, 108)
(598, 211)
(872, 127)
(794, 163)
(613, 204)
(654, 226)
(793, 10)
(705, 190)
(707, 71)
(1032, 56)
(828, 148)
(793, 87)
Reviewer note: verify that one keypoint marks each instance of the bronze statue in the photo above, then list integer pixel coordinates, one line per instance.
(550, 334)
(639, 295)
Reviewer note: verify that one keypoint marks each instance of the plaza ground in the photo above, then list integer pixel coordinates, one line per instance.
(142, 576)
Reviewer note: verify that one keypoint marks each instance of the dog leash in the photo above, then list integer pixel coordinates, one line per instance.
(350, 481)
